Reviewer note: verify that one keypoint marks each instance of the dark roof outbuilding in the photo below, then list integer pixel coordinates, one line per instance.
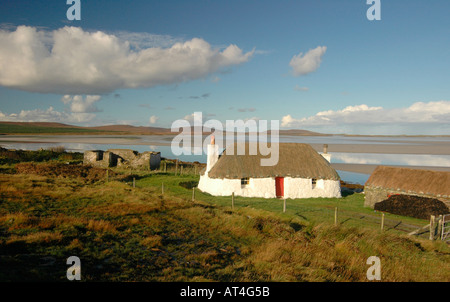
(417, 181)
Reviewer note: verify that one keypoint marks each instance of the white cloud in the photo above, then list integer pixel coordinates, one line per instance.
(70, 60)
(298, 88)
(309, 62)
(153, 119)
(81, 110)
(414, 118)
(194, 118)
(144, 40)
(48, 115)
(251, 109)
(254, 118)
(78, 104)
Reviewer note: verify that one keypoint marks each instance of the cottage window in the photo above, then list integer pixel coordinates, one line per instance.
(245, 181)
(314, 182)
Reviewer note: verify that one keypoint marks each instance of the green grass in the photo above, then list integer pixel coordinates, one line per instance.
(42, 155)
(123, 233)
(351, 210)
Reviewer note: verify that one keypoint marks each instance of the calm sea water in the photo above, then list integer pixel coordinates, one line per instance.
(162, 144)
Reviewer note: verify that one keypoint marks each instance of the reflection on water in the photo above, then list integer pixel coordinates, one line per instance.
(336, 157)
(166, 151)
(352, 177)
(340, 139)
(161, 143)
(391, 159)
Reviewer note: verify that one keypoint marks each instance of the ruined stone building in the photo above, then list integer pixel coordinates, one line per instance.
(123, 158)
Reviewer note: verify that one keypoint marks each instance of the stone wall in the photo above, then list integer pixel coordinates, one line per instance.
(374, 195)
(125, 158)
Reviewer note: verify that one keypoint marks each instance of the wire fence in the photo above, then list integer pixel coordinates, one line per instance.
(445, 228)
(437, 229)
(380, 219)
(353, 218)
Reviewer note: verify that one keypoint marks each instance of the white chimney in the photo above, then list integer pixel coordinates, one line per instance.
(213, 154)
(325, 153)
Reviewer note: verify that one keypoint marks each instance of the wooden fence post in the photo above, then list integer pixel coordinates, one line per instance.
(181, 170)
(232, 200)
(432, 222)
(382, 221)
(193, 193)
(165, 167)
(439, 231)
(176, 167)
(335, 216)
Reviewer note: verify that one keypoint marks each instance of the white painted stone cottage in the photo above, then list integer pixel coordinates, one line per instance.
(301, 172)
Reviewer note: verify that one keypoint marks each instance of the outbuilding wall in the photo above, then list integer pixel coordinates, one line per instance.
(378, 194)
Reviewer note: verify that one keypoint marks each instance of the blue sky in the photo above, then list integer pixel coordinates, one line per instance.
(351, 75)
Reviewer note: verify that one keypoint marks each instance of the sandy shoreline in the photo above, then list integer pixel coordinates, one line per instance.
(369, 168)
(433, 148)
(379, 146)
(74, 139)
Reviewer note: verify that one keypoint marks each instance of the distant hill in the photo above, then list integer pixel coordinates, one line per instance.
(301, 132)
(133, 129)
(41, 128)
(39, 124)
(60, 128)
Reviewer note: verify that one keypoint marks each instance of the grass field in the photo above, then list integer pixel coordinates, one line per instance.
(351, 210)
(122, 233)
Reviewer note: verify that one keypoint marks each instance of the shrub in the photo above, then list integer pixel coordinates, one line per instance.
(63, 170)
(189, 184)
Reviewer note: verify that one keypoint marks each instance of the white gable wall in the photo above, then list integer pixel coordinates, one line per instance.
(303, 188)
(213, 156)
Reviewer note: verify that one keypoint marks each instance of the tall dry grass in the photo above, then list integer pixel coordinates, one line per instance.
(137, 234)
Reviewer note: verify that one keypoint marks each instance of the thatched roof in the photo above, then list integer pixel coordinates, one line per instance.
(295, 160)
(411, 180)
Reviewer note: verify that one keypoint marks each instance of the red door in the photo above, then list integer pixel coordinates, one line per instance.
(279, 186)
